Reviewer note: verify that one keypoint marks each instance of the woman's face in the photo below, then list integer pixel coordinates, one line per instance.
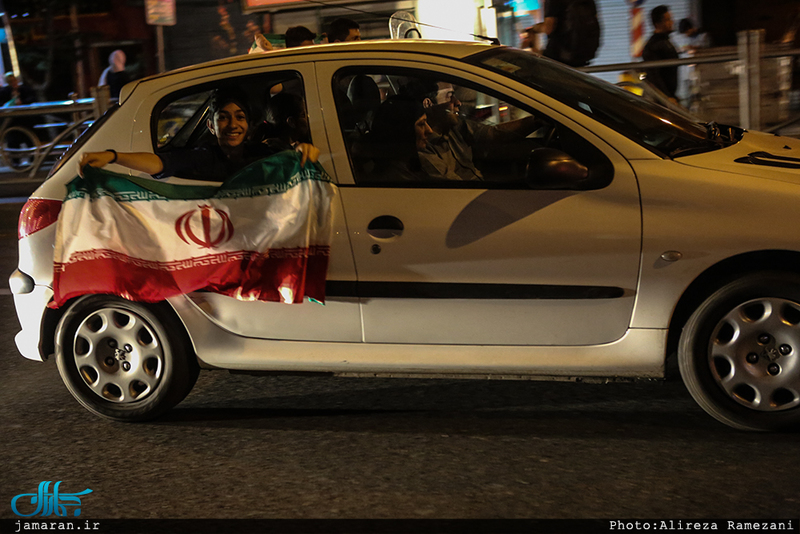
(299, 125)
(422, 130)
(230, 126)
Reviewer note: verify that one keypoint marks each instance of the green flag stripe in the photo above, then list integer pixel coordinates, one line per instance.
(275, 174)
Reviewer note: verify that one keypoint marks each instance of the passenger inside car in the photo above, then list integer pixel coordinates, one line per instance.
(399, 131)
(230, 114)
(286, 124)
(365, 97)
(476, 137)
(450, 153)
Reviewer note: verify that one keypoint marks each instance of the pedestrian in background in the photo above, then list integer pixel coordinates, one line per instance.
(299, 36)
(343, 31)
(572, 29)
(15, 93)
(659, 47)
(695, 37)
(114, 76)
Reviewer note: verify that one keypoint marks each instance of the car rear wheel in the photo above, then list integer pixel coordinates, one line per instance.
(124, 360)
(739, 353)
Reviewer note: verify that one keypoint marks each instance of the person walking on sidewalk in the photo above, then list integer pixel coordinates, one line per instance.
(660, 47)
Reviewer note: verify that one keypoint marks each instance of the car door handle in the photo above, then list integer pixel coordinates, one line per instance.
(385, 227)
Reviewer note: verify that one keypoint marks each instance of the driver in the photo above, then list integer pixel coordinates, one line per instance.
(448, 154)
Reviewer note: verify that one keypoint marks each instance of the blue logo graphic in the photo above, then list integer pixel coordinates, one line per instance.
(50, 503)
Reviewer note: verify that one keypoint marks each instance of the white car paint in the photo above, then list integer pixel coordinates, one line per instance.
(653, 232)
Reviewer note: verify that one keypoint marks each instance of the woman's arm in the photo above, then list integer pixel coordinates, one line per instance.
(138, 161)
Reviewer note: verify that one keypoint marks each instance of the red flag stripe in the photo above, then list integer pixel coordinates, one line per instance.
(280, 275)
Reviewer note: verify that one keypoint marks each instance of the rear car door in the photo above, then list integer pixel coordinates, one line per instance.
(175, 115)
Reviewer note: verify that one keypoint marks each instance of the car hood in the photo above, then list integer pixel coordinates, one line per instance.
(757, 154)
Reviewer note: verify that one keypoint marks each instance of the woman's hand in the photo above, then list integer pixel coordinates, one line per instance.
(94, 159)
(309, 153)
(138, 161)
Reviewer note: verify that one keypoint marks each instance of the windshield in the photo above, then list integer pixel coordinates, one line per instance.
(653, 126)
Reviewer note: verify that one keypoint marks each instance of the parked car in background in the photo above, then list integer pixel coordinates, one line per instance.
(614, 236)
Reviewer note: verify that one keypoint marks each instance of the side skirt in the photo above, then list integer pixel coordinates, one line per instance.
(637, 354)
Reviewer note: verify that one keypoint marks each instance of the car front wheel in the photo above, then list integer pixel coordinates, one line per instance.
(739, 353)
(124, 360)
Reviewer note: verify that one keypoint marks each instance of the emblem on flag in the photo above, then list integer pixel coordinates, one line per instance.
(185, 223)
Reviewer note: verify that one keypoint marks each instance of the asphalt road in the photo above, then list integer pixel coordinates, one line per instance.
(300, 447)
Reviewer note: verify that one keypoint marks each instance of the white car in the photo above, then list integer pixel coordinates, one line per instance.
(612, 237)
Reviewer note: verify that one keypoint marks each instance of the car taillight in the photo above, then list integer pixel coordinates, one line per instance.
(36, 214)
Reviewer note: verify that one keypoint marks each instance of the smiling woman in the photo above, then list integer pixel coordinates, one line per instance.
(229, 122)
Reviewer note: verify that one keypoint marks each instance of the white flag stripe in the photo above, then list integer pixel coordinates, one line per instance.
(166, 230)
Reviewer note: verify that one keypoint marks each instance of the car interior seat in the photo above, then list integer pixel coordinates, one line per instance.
(365, 96)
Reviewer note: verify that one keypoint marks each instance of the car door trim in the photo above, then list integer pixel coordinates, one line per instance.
(444, 290)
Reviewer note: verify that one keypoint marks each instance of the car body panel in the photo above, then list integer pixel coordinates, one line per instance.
(338, 320)
(753, 142)
(536, 239)
(707, 217)
(469, 236)
(341, 317)
(30, 312)
(637, 354)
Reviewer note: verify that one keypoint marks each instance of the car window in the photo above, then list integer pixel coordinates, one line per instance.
(179, 113)
(662, 130)
(180, 119)
(416, 128)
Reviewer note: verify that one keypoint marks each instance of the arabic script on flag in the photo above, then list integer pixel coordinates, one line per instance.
(263, 235)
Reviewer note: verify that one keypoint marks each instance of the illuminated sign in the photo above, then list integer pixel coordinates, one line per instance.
(249, 6)
(268, 3)
(160, 12)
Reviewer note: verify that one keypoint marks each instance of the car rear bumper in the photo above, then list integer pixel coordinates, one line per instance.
(30, 312)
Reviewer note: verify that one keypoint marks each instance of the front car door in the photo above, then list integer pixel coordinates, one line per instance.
(491, 261)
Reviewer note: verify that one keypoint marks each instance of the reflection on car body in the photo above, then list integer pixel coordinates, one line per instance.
(611, 236)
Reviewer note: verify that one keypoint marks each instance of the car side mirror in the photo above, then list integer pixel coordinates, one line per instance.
(549, 168)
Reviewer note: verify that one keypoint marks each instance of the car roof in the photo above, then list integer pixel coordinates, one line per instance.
(452, 49)
(448, 49)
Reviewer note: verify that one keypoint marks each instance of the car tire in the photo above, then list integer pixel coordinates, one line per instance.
(739, 353)
(123, 360)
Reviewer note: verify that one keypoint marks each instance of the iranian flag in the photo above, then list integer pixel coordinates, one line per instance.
(263, 235)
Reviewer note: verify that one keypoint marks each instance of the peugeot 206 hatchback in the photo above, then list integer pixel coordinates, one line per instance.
(608, 238)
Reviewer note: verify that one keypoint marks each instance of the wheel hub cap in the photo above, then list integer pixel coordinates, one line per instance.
(752, 356)
(118, 355)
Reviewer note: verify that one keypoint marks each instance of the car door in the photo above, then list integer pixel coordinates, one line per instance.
(492, 262)
(177, 116)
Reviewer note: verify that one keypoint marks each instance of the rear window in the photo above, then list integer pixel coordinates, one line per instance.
(82, 138)
(179, 113)
(180, 119)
